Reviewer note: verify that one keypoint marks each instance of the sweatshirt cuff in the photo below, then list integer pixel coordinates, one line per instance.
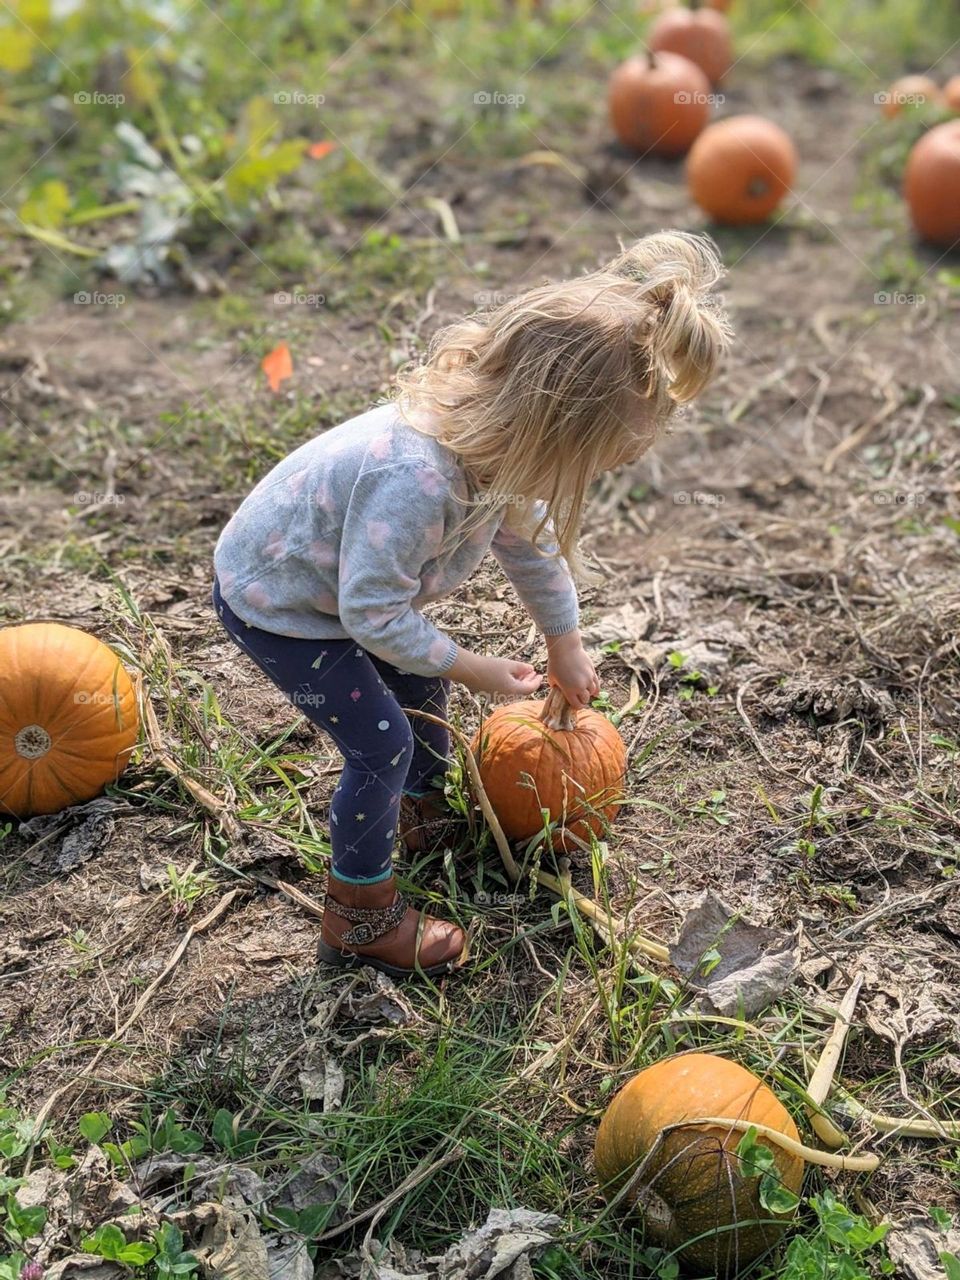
(570, 623)
(450, 657)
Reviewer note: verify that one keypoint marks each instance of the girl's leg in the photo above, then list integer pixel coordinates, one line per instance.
(431, 742)
(334, 684)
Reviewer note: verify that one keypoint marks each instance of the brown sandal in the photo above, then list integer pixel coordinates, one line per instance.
(372, 924)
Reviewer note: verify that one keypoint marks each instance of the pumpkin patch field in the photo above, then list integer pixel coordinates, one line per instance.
(709, 1021)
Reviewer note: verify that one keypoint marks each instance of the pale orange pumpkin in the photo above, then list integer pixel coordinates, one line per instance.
(909, 92)
(68, 717)
(702, 35)
(544, 755)
(659, 102)
(931, 184)
(951, 94)
(689, 1182)
(739, 169)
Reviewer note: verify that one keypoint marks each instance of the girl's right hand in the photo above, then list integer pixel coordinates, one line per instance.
(494, 675)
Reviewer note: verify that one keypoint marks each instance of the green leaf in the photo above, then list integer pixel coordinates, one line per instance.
(137, 1254)
(951, 1265)
(94, 1125)
(47, 205)
(107, 1242)
(774, 1196)
(755, 1159)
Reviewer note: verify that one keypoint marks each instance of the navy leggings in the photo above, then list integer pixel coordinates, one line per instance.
(357, 699)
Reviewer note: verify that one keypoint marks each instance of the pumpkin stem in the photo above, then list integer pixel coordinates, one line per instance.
(557, 712)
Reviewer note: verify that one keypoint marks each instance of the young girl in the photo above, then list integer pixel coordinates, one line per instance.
(491, 445)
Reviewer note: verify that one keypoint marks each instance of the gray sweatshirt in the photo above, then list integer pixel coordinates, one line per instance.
(341, 540)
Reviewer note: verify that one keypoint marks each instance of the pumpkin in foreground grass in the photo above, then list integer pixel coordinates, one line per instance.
(931, 184)
(659, 102)
(702, 35)
(690, 1183)
(544, 755)
(739, 169)
(68, 717)
(909, 92)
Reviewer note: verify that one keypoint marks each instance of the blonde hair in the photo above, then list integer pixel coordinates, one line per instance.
(538, 395)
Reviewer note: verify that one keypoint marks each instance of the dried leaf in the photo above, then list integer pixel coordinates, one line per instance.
(737, 967)
(916, 1247)
(278, 365)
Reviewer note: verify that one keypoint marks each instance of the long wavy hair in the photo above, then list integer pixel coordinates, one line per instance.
(540, 394)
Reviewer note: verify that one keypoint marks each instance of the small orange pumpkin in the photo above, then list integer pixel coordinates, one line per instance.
(689, 1181)
(739, 169)
(951, 94)
(68, 717)
(544, 755)
(659, 102)
(909, 92)
(931, 184)
(702, 35)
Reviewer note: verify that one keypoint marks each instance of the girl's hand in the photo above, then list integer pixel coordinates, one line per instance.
(569, 668)
(494, 675)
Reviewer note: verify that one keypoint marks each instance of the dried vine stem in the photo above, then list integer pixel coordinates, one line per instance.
(822, 1077)
(606, 925)
(828, 1159)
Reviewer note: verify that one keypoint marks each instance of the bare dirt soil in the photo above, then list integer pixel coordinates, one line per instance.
(794, 539)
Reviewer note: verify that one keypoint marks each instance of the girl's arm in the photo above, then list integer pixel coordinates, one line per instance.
(392, 527)
(543, 582)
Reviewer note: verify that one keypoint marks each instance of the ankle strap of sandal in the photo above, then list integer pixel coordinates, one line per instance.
(370, 922)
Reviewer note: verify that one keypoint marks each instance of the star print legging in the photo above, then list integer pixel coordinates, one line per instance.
(357, 699)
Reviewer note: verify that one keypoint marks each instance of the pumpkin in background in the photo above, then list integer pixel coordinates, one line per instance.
(691, 1182)
(909, 92)
(544, 755)
(951, 94)
(659, 102)
(68, 717)
(739, 169)
(702, 35)
(931, 184)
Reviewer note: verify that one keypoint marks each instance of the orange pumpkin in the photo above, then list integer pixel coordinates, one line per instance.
(544, 755)
(659, 102)
(690, 1183)
(909, 92)
(951, 94)
(739, 169)
(68, 717)
(931, 184)
(702, 35)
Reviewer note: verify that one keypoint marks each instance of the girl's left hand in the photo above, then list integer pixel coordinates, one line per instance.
(569, 667)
